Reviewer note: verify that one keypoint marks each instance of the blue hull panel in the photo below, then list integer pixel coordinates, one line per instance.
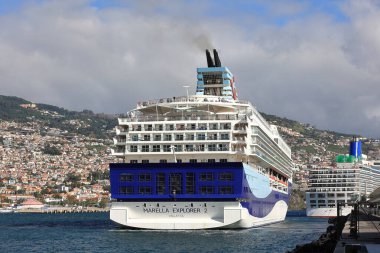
(195, 182)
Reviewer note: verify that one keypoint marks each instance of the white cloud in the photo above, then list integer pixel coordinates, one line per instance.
(311, 69)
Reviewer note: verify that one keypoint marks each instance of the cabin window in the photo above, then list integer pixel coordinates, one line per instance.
(211, 160)
(175, 183)
(193, 161)
(133, 148)
(190, 183)
(224, 136)
(212, 137)
(126, 177)
(157, 137)
(213, 126)
(189, 147)
(211, 147)
(166, 148)
(222, 147)
(156, 148)
(144, 161)
(206, 176)
(160, 183)
(146, 137)
(179, 160)
(223, 160)
(145, 190)
(179, 137)
(226, 190)
(133, 161)
(180, 127)
(145, 148)
(135, 137)
(168, 137)
(145, 177)
(163, 161)
(201, 137)
(178, 148)
(226, 176)
(126, 190)
(206, 189)
(225, 126)
(202, 127)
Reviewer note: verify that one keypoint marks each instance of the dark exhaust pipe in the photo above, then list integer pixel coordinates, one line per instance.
(217, 60)
(210, 62)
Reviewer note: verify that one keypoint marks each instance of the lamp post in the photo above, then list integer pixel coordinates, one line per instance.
(173, 150)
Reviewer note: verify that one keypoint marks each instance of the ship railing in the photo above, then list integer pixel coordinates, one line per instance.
(184, 99)
(179, 150)
(180, 118)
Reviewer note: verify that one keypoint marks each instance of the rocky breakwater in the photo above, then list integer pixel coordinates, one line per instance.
(327, 241)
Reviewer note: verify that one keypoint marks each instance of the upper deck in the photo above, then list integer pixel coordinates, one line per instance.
(212, 125)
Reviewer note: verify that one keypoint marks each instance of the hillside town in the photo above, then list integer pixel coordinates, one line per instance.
(64, 168)
(52, 166)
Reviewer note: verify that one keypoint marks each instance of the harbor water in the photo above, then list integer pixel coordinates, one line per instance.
(94, 232)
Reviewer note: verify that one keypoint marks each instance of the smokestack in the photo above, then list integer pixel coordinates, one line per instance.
(356, 147)
(217, 60)
(210, 62)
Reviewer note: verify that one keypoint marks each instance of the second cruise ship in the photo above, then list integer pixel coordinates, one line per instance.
(202, 161)
(351, 178)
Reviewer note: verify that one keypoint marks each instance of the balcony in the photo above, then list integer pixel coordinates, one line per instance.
(240, 130)
(119, 151)
(119, 140)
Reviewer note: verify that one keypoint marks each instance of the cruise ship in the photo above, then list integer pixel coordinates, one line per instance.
(351, 178)
(201, 161)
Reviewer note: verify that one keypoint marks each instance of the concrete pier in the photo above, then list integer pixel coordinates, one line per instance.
(361, 233)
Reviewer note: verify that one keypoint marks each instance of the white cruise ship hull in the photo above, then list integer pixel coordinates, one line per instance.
(202, 161)
(327, 212)
(251, 202)
(180, 215)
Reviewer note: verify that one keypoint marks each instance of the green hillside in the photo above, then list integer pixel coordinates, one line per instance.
(85, 122)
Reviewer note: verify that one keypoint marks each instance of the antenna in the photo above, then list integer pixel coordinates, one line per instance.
(187, 91)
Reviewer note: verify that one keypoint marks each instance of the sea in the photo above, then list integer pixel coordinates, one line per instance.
(94, 232)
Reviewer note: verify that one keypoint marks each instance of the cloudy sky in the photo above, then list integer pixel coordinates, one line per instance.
(317, 62)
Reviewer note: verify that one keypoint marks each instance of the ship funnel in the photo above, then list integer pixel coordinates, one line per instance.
(356, 147)
(210, 62)
(217, 60)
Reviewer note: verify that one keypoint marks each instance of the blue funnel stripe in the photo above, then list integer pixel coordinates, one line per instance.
(356, 149)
